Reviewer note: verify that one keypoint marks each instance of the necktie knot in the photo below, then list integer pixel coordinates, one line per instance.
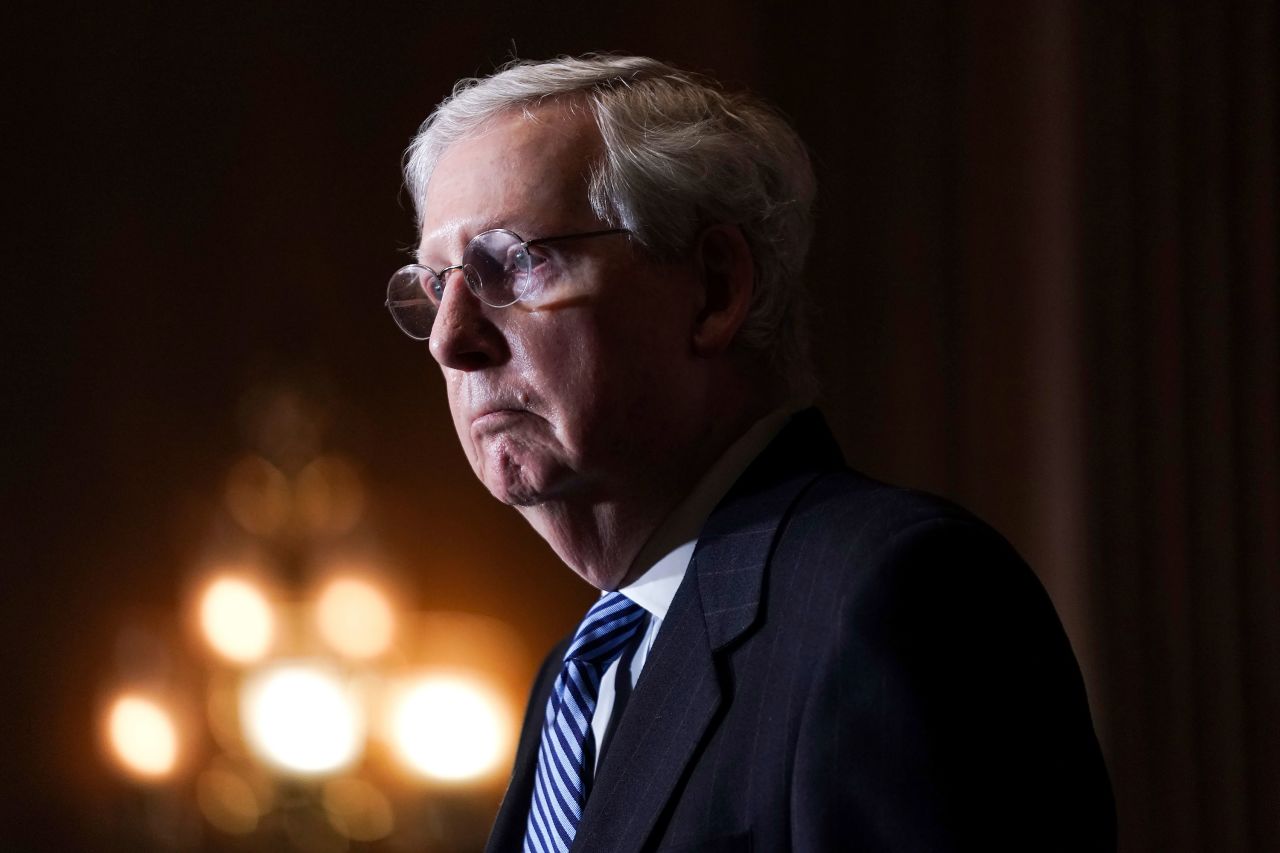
(604, 633)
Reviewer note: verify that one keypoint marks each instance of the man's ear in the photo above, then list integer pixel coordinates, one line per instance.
(728, 281)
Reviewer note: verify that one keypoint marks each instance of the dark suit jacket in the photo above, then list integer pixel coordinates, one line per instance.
(847, 666)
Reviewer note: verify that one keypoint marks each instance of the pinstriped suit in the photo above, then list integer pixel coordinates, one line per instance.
(846, 666)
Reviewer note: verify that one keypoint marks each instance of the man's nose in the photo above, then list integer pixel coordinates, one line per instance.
(463, 335)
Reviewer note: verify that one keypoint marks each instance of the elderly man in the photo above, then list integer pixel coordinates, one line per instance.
(785, 655)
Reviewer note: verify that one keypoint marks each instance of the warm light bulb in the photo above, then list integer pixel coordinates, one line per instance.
(449, 728)
(355, 618)
(237, 619)
(302, 719)
(143, 736)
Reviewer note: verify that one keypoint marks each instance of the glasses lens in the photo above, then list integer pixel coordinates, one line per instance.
(496, 265)
(413, 296)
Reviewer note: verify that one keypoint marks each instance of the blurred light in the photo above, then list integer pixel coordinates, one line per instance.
(309, 830)
(237, 619)
(355, 618)
(258, 495)
(227, 801)
(144, 737)
(285, 424)
(329, 497)
(222, 709)
(358, 810)
(142, 656)
(302, 719)
(472, 643)
(449, 728)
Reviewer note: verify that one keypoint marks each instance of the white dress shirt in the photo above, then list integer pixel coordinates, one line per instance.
(669, 549)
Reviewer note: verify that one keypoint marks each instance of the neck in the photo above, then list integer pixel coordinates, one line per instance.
(598, 535)
(598, 539)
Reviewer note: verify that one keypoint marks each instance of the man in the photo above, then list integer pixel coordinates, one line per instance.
(786, 655)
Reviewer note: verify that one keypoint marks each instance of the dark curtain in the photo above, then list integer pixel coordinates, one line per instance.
(1070, 324)
(1178, 269)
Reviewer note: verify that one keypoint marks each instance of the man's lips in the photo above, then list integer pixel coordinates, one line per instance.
(494, 418)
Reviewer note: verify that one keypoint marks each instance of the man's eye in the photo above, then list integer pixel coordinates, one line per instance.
(530, 257)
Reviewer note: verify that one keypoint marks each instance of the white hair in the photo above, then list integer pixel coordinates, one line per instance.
(680, 155)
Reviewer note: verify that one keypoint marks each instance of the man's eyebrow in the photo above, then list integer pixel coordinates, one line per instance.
(447, 233)
(460, 231)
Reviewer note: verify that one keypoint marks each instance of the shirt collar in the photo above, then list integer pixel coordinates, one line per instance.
(667, 552)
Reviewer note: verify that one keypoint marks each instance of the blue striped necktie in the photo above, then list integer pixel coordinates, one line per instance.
(559, 787)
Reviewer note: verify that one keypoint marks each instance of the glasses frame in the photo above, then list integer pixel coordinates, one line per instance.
(471, 278)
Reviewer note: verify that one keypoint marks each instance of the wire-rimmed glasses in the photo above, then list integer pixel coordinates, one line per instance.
(500, 267)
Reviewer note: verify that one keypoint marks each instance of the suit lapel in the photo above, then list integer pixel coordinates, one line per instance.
(663, 724)
(679, 692)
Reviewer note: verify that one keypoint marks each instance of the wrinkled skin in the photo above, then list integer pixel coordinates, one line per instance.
(592, 414)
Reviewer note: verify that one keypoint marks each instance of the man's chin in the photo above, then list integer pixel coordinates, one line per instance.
(516, 484)
(517, 495)
(519, 475)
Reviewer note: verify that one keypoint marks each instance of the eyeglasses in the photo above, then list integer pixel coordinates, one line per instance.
(499, 267)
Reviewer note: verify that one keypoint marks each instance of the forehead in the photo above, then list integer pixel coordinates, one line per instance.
(528, 173)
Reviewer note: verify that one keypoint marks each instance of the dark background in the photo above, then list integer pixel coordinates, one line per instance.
(1046, 260)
